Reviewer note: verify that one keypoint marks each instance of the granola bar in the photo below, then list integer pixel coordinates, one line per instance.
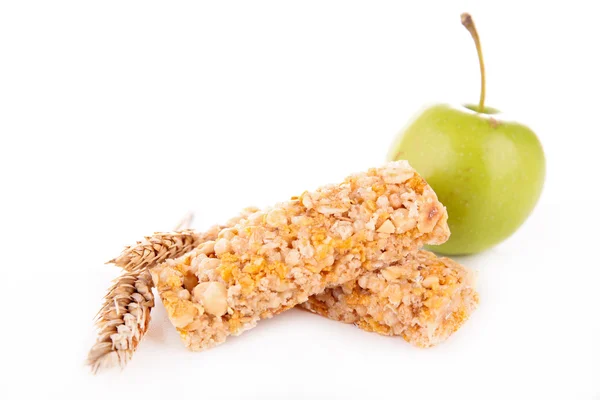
(424, 299)
(274, 259)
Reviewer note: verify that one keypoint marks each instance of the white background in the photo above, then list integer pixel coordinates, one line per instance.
(117, 117)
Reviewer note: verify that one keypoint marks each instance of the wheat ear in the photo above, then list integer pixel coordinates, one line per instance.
(123, 320)
(125, 316)
(156, 249)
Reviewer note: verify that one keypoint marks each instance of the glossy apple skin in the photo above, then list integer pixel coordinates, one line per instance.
(487, 171)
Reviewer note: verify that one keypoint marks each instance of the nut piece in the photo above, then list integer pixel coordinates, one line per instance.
(213, 297)
(428, 217)
(387, 227)
(402, 221)
(395, 200)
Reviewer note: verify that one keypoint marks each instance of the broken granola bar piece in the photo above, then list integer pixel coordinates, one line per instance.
(424, 299)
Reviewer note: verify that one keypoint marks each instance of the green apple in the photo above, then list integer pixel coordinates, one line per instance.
(487, 170)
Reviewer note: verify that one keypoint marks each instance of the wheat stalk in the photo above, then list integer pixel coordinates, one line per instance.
(123, 320)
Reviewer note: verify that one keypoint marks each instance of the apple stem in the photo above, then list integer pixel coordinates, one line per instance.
(468, 23)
